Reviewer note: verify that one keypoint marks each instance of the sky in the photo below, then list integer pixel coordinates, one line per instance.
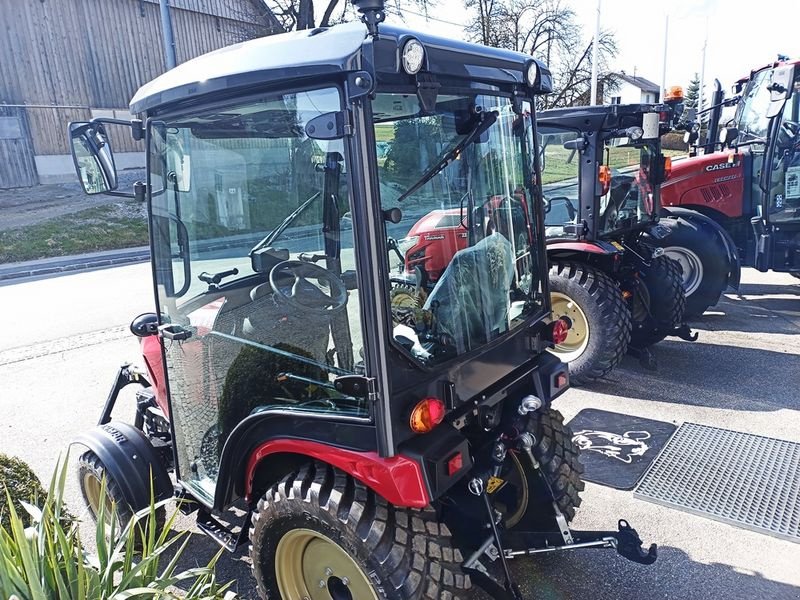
(739, 34)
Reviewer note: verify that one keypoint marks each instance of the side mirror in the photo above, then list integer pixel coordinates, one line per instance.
(93, 157)
(780, 89)
(727, 135)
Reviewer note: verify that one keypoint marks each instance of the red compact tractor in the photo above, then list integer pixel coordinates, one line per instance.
(743, 193)
(378, 455)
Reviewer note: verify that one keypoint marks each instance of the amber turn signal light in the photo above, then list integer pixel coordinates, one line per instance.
(604, 177)
(427, 414)
(674, 93)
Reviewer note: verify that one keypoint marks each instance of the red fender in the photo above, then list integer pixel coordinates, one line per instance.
(397, 479)
(591, 247)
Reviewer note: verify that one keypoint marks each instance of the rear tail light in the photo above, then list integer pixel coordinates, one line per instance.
(604, 177)
(667, 167)
(427, 414)
(454, 464)
(559, 329)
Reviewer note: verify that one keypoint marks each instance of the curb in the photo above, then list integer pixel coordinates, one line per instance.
(71, 264)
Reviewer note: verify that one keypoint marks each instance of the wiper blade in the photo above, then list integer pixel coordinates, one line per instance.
(272, 236)
(487, 119)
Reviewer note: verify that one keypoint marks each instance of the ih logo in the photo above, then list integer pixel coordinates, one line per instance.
(622, 447)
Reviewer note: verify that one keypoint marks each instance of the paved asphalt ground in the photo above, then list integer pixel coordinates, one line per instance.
(61, 340)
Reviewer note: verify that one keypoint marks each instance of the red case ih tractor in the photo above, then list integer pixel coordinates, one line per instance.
(743, 198)
(376, 459)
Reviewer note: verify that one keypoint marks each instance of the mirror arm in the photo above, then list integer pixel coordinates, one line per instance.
(136, 125)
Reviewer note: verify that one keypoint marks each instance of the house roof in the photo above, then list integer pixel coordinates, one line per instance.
(640, 82)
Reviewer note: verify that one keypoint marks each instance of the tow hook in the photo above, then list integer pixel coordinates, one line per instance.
(685, 333)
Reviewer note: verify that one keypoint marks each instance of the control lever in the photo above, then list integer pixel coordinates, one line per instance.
(216, 278)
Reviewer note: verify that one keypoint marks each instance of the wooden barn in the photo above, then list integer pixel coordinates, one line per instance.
(69, 60)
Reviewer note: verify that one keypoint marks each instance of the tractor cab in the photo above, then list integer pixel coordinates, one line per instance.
(283, 176)
(601, 171)
(767, 129)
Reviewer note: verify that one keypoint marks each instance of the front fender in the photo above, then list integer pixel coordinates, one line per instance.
(732, 254)
(130, 459)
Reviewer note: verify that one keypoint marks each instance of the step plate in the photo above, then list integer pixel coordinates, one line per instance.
(738, 478)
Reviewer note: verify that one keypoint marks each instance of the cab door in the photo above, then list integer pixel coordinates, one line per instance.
(778, 227)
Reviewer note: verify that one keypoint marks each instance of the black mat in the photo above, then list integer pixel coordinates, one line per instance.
(616, 449)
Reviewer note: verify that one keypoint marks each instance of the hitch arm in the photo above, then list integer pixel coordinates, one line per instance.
(625, 541)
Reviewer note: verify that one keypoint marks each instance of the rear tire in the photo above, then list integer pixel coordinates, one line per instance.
(703, 260)
(601, 321)
(658, 303)
(389, 552)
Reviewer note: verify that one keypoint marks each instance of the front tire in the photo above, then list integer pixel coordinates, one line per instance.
(658, 302)
(321, 529)
(91, 474)
(703, 261)
(601, 321)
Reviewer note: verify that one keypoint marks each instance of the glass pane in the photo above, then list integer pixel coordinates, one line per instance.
(784, 195)
(560, 170)
(630, 199)
(462, 271)
(252, 251)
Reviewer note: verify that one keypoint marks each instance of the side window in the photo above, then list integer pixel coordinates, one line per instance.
(560, 178)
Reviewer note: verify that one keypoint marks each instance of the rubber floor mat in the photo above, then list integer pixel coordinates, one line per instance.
(616, 449)
(738, 478)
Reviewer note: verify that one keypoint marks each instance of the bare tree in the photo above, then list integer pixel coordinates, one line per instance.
(547, 30)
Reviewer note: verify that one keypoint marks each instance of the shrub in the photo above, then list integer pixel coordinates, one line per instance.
(21, 482)
(48, 561)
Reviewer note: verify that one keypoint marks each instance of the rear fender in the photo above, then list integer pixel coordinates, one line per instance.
(724, 238)
(597, 247)
(129, 458)
(399, 479)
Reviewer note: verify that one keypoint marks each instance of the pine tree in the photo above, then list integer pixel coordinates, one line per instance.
(692, 94)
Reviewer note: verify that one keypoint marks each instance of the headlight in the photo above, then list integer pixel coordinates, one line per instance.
(406, 244)
(531, 73)
(413, 56)
(634, 133)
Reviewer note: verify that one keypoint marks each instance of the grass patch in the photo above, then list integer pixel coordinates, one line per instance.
(107, 227)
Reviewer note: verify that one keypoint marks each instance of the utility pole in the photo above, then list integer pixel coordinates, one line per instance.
(593, 99)
(167, 35)
(664, 64)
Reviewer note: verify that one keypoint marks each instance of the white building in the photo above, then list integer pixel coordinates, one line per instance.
(633, 90)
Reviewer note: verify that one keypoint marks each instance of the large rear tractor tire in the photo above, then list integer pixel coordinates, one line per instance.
(703, 261)
(658, 303)
(319, 533)
(91, 474)
(601, 321)
(522, 497)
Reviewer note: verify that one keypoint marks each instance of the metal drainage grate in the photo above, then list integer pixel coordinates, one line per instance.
(738, 478)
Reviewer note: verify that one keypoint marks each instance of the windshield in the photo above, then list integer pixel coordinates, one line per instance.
(255, 269)
(632, 194)
(751, 114)
(455, 184)
(560, 178)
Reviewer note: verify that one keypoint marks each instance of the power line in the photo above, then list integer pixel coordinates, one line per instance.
(428, 17)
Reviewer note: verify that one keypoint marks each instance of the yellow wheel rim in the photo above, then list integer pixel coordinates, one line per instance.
(578, 335)
(311, 565)
(92, 488)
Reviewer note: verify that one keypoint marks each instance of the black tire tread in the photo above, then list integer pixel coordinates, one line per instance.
(667, 302)
(559, 460)
(412, 547)
(612, 313)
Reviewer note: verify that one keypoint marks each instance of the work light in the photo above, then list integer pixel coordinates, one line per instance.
(413, 56)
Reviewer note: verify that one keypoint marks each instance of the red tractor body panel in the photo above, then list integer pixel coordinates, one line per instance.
(441, 235)
(397, 479)
(714, 181)
(151, 352)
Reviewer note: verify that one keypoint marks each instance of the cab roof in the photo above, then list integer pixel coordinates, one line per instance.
(596, 118)
(326, 51)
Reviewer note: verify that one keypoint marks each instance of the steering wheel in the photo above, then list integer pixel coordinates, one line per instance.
(302, 293)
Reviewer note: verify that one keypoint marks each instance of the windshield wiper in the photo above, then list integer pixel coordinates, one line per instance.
(486, 120)
(272, 236)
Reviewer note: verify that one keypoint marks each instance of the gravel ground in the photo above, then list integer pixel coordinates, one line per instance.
(28, 206)
(742, 374)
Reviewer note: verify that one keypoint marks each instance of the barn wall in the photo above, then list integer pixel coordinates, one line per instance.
(68, 59)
